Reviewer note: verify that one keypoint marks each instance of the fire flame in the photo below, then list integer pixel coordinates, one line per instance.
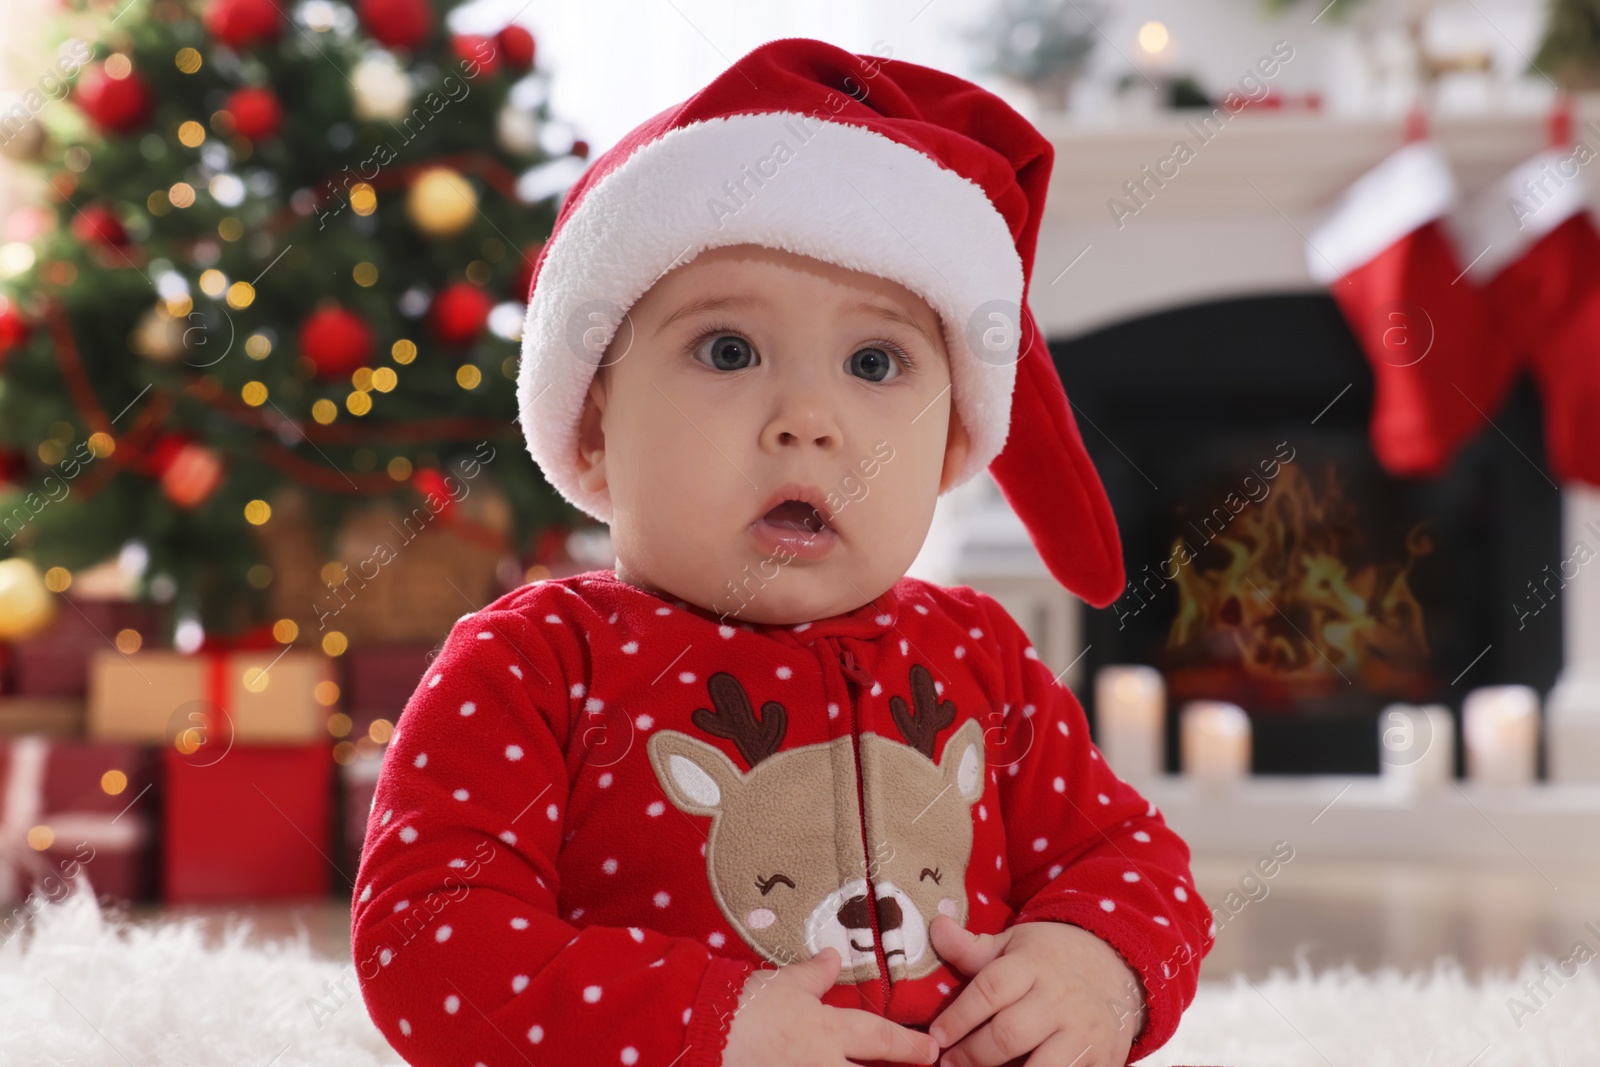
(1290, 612)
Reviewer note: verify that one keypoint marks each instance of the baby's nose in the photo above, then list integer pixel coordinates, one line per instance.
(802, 422)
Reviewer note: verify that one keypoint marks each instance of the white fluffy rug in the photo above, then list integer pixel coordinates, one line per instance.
(78, 987)
(1344, 1018)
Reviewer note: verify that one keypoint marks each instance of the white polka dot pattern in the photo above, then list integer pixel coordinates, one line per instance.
(490, 776)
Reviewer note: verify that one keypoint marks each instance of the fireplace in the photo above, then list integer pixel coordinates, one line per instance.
(1272, 562)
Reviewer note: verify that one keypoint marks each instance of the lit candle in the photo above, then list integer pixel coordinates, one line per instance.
(1215, 742)
(1501, 726)
(1130, 710)
(1417, 747)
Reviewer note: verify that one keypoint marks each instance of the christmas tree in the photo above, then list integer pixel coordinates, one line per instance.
(284, 255)
(1570, 51)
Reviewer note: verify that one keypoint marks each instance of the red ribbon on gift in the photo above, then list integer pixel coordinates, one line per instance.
(217, 648)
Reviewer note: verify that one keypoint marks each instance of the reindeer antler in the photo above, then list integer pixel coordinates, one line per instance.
(931, 716)
(735, 720)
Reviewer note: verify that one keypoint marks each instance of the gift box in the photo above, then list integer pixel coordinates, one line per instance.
(247, 822)
(55, 717)
(378, 680)
(55, 663)
(358, 780)
(254, 696)
(71, 806)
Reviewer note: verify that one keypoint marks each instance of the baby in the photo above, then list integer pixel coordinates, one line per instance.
(754, 796)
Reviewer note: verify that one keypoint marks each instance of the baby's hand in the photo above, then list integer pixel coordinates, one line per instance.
(1048, 986)
(782, 1022)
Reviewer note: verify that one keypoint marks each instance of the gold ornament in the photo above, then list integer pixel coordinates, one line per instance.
(441, 203)
(158, 336)
(27, 143)
(383, 90)
(26, 606)
(517, 130)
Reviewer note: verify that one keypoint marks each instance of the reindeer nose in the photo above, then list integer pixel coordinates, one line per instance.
(853, 914)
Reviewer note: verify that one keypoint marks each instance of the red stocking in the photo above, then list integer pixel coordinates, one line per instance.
(1384, 254)
(1542, 276)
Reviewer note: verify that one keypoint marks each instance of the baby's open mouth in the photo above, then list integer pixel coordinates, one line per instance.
(796, 515)
(796, 524)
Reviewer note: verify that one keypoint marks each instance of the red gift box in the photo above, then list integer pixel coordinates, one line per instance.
(358, 780)
(68, 806)
(250, 822)
(379, 680)
(55, 663)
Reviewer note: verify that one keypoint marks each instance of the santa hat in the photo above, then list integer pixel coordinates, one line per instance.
(871, 164)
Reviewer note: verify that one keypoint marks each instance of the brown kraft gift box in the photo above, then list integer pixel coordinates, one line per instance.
(268, 696)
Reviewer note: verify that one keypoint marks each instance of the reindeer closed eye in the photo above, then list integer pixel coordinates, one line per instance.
(792, 819)
(766, 884)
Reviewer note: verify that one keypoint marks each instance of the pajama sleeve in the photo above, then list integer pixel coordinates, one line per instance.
(1086, 848)
(460, 952)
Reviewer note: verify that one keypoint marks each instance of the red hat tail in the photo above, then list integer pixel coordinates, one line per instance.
(1046, 476)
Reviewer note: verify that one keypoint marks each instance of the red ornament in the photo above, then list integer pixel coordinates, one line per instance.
(13, 328)
(516, 43)
(116, 105)
(580, 148)
(397, 23)
(479, 50)
(13, 467)
(459, 313)
(98, 224)
(427, 480)
(336, 342)
(242, 23)
(522, 287)
(256, 112)
(192, 474)
(159, 456)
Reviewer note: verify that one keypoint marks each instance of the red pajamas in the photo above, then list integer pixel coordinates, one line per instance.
(602, 809)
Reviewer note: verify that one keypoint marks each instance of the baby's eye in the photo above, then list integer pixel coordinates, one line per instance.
(725, 351)
(873, 363)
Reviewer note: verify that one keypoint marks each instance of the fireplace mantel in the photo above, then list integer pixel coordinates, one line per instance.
(1232, 220)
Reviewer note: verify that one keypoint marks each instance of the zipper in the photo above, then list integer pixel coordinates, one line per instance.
(863, 679)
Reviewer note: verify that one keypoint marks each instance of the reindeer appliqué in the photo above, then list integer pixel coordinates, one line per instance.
(786, 836)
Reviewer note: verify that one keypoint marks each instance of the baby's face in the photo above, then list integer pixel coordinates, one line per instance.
(774, 431)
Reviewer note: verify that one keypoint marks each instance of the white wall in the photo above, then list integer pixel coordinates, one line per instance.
(617, 62)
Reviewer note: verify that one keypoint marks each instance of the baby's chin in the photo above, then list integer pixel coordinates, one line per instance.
(768, 609)
(797, 593)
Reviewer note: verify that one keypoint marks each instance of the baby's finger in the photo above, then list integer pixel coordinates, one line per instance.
(999, 985)
(867, 1036)
(1013, 1032)
(968, 952)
